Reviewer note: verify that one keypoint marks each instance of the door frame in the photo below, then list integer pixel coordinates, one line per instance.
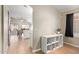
(5, 29)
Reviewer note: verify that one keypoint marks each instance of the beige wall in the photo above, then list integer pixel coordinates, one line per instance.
(73, 41)
(63, 23)
(46, 20)
(0, 31)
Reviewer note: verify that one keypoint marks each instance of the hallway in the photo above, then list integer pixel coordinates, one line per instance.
(20, 47)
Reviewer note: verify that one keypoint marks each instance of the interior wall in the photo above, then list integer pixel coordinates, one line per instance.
(46, 20)
(0, 30)
(74, 41)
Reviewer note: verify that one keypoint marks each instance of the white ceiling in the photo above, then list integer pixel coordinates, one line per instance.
(20, 11)
(64, 8)
(25, 11)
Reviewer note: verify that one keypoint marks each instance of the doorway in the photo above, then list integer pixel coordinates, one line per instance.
(18, 25)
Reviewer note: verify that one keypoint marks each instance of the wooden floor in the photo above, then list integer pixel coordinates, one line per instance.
(21, 47)
(66, 49)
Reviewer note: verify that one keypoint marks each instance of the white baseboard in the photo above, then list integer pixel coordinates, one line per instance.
(36, 50)
(72, 44)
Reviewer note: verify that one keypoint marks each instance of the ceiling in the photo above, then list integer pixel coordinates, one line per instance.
(23, 10)
(65, 8)
(20, 11)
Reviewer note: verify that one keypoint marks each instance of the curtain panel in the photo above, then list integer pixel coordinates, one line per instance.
(69, 25)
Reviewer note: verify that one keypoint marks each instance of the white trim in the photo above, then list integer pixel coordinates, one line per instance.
(36, 50)
(72, 44)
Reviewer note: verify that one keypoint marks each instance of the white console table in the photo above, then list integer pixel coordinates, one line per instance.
(51, 42)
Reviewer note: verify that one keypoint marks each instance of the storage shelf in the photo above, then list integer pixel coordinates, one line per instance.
(52, 43)
(57, 47)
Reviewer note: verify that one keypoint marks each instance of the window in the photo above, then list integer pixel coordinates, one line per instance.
(76, 25)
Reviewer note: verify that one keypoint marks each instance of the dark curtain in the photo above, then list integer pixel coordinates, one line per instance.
(69, 25)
